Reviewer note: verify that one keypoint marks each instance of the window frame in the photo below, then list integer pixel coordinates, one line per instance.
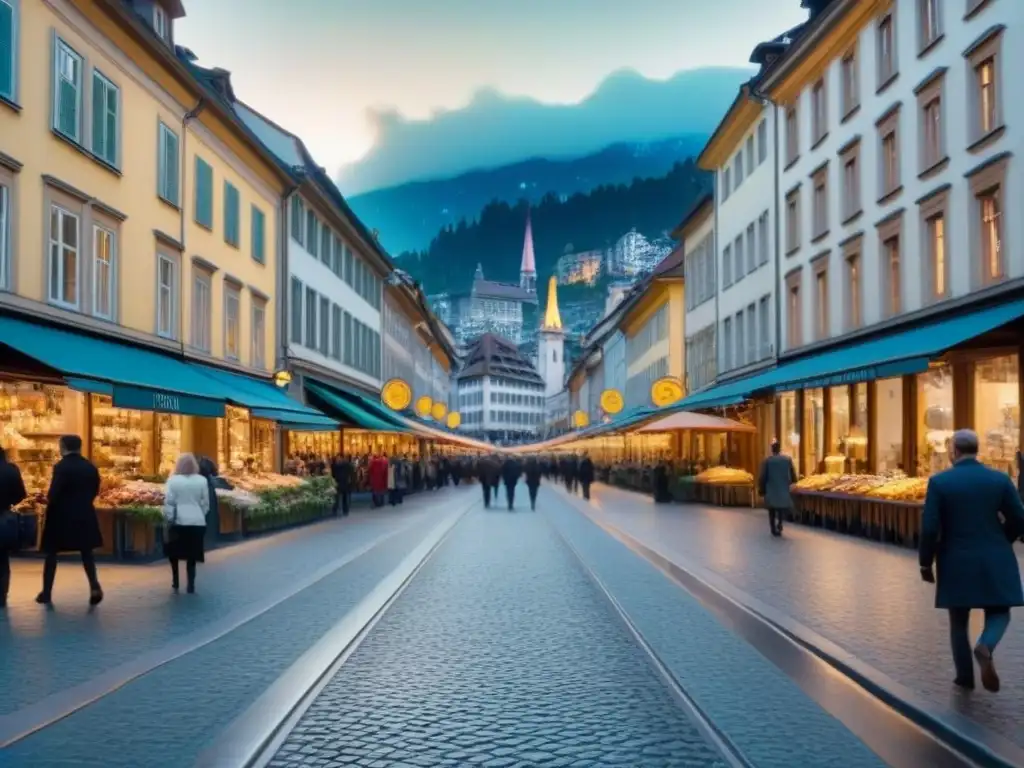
(232, 223)
(752, 255)
(108, 86)
(792, 120)
(890, 229)
(934, 207)
(853, 292)
(792, 222)
(232, 295)
(928, 38)
(6, 232)
(928, 93)
(12, 95)
(794, 308)
(819, 202)
(887, 71)
(988, 47)
(258, 333)
(312, 233)
(763, 238)
(326, 239)
(324, 326)
(822, 287)
(852, 200)
(204, 341)
(99, 228)
(296, 313)
(257, 234)
(62, 212)
(63, 46)
(849, 86)
(889, 126)
(336, 332)
(173, 294)
(989, 179)
(312, 327)
(819, 112)
(762, 140)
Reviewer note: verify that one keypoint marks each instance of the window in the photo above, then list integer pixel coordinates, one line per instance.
(819, 112)
(792, 136)
(168, 170)
(762, 141)
(311, 325)
(794, 315)
(336, 332)
(850, 158)
(888, 132)
(104, 254)
(750, 155)
(854, 298)
(258, 236)
(792, 220)
(64, 252)
(751, 333)
(105, 123)
(232, 214)
(762, 239)
(751, 249)
(325, 325)
(204, 194)
(887, 66)
(763, 320)
(166, 297)
(986, 74)
(298, 217)
(67, 92)
(5, 237)
(232, 322)
(160, 21)
(725, 183)
(727, 344)
(295, 311)
(988, 229)
(821, 307)
(350, 341)
(740, 342)
(202, 310)
(727, 267)
(937, 254)
(738, 169)
(737, 249)
(985, 104)
(930, 22)
(890, 238)
(850, 83)
(311, 233)
(820, 212)
(932, 149)
(8, 51)
(326, 240)
(991, 233)
(336, 258)
(259, 334)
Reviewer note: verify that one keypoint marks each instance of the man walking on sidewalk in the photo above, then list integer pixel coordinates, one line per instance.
(586, 475)
(777, 474)
(533, 473)
(489, 474)
(510, 473)
(962, 533)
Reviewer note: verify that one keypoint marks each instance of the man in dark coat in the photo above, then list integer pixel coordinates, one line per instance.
(209, 470)
(510, 472)
(963, 535)
(341, 471)
(586, 474)
(533, 473)
(777, 474)
(490, 474)
(12, 492)
(71, 524)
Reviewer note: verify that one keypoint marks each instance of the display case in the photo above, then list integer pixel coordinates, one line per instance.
(325, 445)
(33, 417)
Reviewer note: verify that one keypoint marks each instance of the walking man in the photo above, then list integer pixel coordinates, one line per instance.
(777, 474)
(586, 475)
(489, 475)
(533, 473)
(963, 535)
(510, 473)
(12, 492)
(71, 524)
(341, 470)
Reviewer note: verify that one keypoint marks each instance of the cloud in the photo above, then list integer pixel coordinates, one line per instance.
(495, 129)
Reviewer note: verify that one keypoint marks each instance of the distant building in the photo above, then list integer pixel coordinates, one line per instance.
(633, 255)
(583, 267)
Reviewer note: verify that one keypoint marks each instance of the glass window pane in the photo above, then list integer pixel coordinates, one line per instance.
(997, 411)
(934, 420)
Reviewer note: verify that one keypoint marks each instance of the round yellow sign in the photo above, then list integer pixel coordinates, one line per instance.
(666, 391)
(423, 406)
(396, 394)
(580, 419)
(454, 420)
(439, 411)
(611, 401)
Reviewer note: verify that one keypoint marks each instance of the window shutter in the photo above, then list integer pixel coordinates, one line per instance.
(68, 108)
(204, 193)
(169, 182)
(112, 120)
(99, 123)
(257, 235)
(6, 50)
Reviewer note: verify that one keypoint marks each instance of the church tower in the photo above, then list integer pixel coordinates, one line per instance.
(528, 267)
(551, 344)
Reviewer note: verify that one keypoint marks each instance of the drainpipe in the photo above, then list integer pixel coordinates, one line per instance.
(766, 100)
(189, 116)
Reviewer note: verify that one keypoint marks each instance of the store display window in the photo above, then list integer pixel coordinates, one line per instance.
(889, 425)
(848, 449)
(33, 416)
(133, 444)
(813, 433)
(263, 439)
(325, 445)
(234, 441)
(934, 419)
(789, 430)
(997, 411)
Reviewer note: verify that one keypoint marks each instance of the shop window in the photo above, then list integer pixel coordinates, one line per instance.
(997, 411)
(64, 257)
(33, 416)
(934, 420)
(789, 432)
(812, 434)
(234, 440)
(841, 421)
(133, 444)
(889, 425)
(263, 440)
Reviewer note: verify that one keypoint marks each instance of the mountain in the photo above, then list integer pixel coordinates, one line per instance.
(495, 129)
(596, 219)
(408, 216)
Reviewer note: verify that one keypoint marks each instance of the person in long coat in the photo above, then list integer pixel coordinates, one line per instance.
(378, 479)
(662, 494)
(510, 472)
(533, 472)
(12, 493)
(185, 511)
(777, 474)
(586, 474)
(490, 475)
(71, 524)
(341, 471)
(963, 535)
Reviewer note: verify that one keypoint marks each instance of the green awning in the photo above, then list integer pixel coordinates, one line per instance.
(134, 377)
(382, 412)
(260, 395)
(299, 421)
(347, 410)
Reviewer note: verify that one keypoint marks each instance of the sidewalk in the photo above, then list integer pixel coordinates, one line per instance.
(867, 598)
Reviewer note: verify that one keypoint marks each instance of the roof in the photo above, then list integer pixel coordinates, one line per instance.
(671, 264)
(696, 422)
(701, 206)
(494, 290)
(492, 355)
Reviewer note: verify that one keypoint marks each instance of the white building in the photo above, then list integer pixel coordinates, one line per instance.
(697, 233)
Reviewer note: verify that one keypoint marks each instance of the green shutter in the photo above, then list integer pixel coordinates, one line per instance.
(99, 99)
(168, 165)
(231, 214)
(258, 223)
(204, 193)
(68, 106)
(112, 120)
(6, 50)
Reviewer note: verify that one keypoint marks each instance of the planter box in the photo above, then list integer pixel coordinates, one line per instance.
(294, 516)
(894, 522)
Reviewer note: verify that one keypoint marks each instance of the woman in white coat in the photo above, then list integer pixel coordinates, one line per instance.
(186, 503)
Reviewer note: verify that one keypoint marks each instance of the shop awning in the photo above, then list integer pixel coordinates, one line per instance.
(134, 377)
(347, 410)
(256, 395)
(298, 421)
(696, 422)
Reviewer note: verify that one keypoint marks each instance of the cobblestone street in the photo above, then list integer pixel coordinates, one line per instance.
(865, 597)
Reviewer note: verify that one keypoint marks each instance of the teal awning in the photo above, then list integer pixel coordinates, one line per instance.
(347, 410)
(299, 421)
(259, 395)
(382, 412)
(134, 377)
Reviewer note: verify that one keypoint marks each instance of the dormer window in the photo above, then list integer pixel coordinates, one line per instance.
(160, 23)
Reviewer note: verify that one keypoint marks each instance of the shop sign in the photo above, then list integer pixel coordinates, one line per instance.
(396, 394)
(424, 405)
(666, 391)
(140, 399)
(438, 411)
(580, 419)
(612, 401)
(454, 420)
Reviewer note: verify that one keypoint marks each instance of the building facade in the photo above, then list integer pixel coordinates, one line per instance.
(697, 233)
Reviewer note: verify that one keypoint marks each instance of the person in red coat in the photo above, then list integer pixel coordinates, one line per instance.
(378, 479)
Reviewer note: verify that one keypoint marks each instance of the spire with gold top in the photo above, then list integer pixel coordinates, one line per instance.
(552, 319)
(528, 267)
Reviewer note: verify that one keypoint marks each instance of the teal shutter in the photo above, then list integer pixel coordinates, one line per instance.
(258, 224)
(6, 50)
(231, 214)
(168, 165)
(204, 193)
(112, 120)
(99, 123)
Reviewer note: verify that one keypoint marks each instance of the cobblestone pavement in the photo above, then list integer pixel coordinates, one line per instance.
(864, 596)
(501, 652)
(46, 651)
(165, 718)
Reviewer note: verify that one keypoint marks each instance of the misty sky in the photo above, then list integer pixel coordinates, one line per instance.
(323, 68)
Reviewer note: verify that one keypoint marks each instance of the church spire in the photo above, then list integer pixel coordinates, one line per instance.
(528, 267)
(552, 320)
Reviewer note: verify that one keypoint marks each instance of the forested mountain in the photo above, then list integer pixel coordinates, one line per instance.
(583, 221)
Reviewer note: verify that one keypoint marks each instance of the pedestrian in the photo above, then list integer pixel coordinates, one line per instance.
(489, 473)
(662, 495)
(341, 471)
(70, 523)
(963, 536)
(586, 474)
(777, 474)
(533, 472)
(186, 505)
(378, 475)
(12, 493)
(510, 472)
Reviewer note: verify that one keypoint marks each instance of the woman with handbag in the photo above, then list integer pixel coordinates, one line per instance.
(12, 492)
(186, 504)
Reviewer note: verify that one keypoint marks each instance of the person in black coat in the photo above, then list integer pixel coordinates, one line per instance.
(533, 473)
(490, 476)
(510, 472)
(71, 524)
(209, 470)
(586, 475)
(341, 471)
(12, 492)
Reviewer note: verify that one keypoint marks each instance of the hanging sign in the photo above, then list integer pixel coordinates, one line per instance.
(611, 401)
(438, 411)
(396, 395)
(580, 419)
(423, 407)
(666, 391)
(454, 420)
